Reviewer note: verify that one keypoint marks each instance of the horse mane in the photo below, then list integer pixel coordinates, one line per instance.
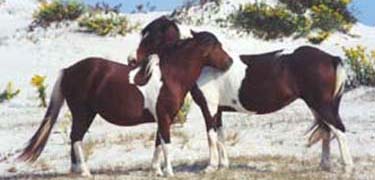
(248, 58)
(144, 72)
(162, 23)
(203, 37)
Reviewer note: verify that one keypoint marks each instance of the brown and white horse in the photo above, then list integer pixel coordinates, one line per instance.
(128, 96)
(264, 83)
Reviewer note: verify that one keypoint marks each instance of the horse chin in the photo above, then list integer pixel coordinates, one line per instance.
(226, 67)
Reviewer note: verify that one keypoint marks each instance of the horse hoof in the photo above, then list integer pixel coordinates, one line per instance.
(348, 169)
(224, 165)
(325, 167)
(80, 170)
(169, 174)
(158, 172)
(210, 169)
(81, 174)
(86, 174)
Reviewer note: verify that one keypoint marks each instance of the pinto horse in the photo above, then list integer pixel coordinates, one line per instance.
(152, 92)
(264, 83)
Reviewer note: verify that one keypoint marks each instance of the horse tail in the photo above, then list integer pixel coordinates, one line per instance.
(340, 77)
(37, 143)
(320, 130)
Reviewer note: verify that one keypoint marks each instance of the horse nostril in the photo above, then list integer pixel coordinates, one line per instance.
(132, 62)
(230, 62)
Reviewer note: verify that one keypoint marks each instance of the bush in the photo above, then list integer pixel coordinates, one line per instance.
(181, 116)
(265, 21)
(320, 37)
(362, 65)
(106, 23)
(57, 11)
(328, 19)
(290, 18)
(9, 93)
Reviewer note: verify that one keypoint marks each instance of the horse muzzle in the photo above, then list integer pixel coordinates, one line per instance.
(228, 64)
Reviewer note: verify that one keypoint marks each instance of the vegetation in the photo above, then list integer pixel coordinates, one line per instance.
(362, 64)
(320, 37)
(57, 11)
(38, 82)
(9, 93)
(266, 22)
(290, 18)
(106, 23)
(101, 19)
(183, 112)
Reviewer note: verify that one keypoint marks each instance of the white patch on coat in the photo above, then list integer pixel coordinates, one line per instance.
(214, 154)
(156, 160)
(151, 89)
(343, 146)
(223, 155)
(223, 87)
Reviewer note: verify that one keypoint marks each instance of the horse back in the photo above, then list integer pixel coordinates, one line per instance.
(103, 86)
(268, 84)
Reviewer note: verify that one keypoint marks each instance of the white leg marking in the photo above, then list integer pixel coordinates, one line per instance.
(214, 154)
(223, 155)
(325, 162)
(81, 166)
(155, 165)
(167, 161)
(344, 149)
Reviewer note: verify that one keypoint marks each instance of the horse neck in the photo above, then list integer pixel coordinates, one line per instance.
(183, 70)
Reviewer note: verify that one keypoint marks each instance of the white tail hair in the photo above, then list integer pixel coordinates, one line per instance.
(340, 79)
(39, 139)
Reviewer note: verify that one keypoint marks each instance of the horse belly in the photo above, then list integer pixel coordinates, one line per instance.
(121, 105)
(264, 100)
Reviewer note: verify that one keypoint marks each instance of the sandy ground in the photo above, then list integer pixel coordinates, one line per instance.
(260, 146)
(269, 146)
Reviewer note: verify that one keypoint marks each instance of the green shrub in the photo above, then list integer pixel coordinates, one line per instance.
(57, 11)
(290, 18)
(328, 19)
(327, 15)
(265, 21)
(9, 93)
(362, 65)
(106, 23)
(320, 37)
(183, 112)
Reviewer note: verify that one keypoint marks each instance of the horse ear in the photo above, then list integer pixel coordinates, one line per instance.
(172, 35)
(193, 33)
(246, 59)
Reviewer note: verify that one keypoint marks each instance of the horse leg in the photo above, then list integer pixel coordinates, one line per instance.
(332, 119)
(81, 122)
(155, 165)
(207, 110)
(325, 161)
(321, 132)
(212, 139)
(164, 123)
(223, 155)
